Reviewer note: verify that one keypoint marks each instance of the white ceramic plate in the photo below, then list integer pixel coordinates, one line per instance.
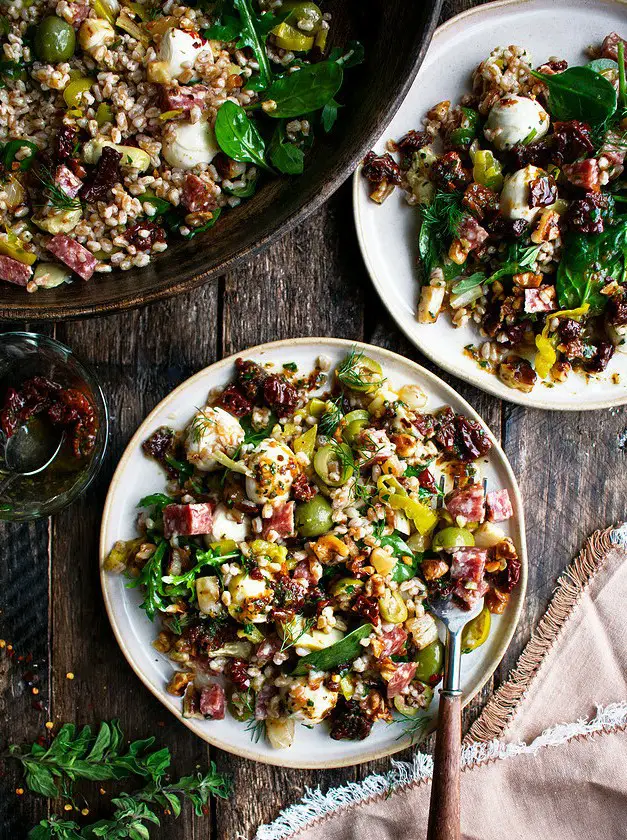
(137, 475)
(388, 233)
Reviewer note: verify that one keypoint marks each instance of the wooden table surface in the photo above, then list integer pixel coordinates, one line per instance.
(570, 467)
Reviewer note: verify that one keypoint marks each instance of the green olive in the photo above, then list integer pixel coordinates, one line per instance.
(55, 40)
(346, 587)
(355, 422)
(314, 518)
(476, 632)
(452, 538)
(332, 459)
(303, 15)
(406, 710)
(392, 607)
(360, 373)
(430, 661)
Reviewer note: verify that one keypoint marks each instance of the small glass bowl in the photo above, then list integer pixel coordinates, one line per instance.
(22, 356)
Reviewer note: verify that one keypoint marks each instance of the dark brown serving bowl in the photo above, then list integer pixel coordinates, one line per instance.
(395, 34)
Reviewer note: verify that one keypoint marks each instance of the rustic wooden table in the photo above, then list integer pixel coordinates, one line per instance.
(312, 283)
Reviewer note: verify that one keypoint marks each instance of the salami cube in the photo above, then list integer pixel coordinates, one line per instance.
(176, 98)
(467, 502)
(212, 702)
(467, 568)
(471, 233)
(393, 641)
(197, 194)
(469, 597)
(281, 522)
(67, 181)
(73, 254)
(401, 678)
(14, 271)
(187, 520)
(498, 505)
(543, 299)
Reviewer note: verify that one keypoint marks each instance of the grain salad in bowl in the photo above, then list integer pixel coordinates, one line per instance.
(299, 530)
(520, 193)
(123, 124)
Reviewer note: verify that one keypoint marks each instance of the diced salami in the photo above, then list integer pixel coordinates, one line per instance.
(302, 489)
(467, 567)
(281, 521)
(176, 98)
(543, 299)
(187, 520)
(467, 502)
(401, 678)
(471, 232)
(73, 254)
(67, 181)
(212, 702)
(14, 271)
(307, 573)
(263, 699)
(393, 641)
(197, 194)
(585, 173)
(609, 47)
(266, 650)
(498, 505)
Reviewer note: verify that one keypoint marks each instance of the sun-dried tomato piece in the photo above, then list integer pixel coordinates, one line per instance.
(64, 142)
(106, 174)
(381, 168)
(368, 608)
(461, 437)
(502, 228)
(449, 173)
(250, 378)
(413, 141)
(233, 401)
(601, 359)
(280, 395)
(480, 200)
(572, 141)
(143, 235)
(568, 329)
(159, 445)
(302, 489)
(588, 214)
(617, 310)
(542, 191)
(538, 154)
(238, 672)
(348, 721)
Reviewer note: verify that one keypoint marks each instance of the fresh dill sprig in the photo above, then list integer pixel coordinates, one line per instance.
(199, 425)
(256, 729)
(439, 225)
(56, 196)
(415, 726)
(352, 373)
(331, 419)
(291, 638)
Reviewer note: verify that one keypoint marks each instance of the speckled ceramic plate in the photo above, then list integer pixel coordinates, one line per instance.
(388, 233)
(137, 475)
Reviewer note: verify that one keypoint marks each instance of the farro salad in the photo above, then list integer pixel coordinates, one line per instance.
(521, 195)
(123, 123)
(291, 558)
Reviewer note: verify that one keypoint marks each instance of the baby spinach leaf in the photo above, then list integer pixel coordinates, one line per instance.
(342, 652)
(229, 29)
(243, 192)
(10, 150)
(155, 500)
(329, 114)
(208, 224)
(285, 155)
(600, 64)
(590, 261)
(579, 93)
(253, 34)
(238, 137)
(353, 54)
(160, 205)
(304, 90)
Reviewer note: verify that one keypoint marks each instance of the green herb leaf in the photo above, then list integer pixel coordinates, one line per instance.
(305, 90)
(238, 137)
(439, 226)
(10, 150)
(156, 500)
(215, 215)
(285, 155)
(329, 114)
(468, 283)
(579, 93)
(340, 653)
(150, 579)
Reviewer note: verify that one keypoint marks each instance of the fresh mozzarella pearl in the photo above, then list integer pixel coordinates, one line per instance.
(226, 528)
(273, 469)
(513, 119)
(514, 202)
(180, 48)
(309, 703)
(187, 144)
(212, 430)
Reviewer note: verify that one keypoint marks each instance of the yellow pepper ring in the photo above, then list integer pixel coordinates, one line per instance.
(547, 355)
(290, 38)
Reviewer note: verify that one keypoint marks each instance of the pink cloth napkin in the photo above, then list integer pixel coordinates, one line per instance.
(547, 758)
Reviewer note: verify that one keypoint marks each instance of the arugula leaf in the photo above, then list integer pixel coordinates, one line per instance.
(150, 579)
(468, 283)
(238, 136)
(185, 584)
(304, 90)
(579, 93)
(516, 260)
(254, 31)
(340, 653)
(184, 469)
(286, 155)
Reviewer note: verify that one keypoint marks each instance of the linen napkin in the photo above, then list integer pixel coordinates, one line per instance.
(546, 759)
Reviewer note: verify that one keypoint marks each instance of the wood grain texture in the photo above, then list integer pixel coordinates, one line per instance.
(571, 470)
(444, 815)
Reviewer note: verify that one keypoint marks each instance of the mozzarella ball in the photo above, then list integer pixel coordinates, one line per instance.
(212, 430)
(273, 469)
(179, 50)
(310, 702)
(513, 119)
(250, 599)
(514, 203)
(187, 144)
(226, 528)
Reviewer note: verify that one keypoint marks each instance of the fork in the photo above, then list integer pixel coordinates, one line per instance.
(444, 811)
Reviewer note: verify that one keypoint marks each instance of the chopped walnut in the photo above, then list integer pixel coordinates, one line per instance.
(179, 683)
(433, 569)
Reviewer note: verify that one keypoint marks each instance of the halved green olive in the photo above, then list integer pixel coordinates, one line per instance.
(55, 40)
(476, 632)
(406, 710)
(360, 373)
(392, 607)
(314, 518)
(452, 538)
(430, 661)
(333, 463)
(346, 587)
(355, 422)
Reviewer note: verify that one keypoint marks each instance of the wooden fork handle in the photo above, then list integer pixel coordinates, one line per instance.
(444, 814)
